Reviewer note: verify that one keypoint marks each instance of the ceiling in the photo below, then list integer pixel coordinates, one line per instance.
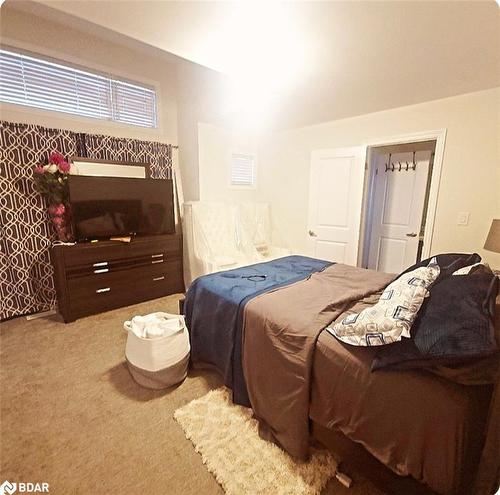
(319, 61)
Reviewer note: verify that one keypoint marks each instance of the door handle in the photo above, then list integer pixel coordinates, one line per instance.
(312, 234)
(411, 234)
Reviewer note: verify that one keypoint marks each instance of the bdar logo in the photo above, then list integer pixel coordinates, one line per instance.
(7, 488)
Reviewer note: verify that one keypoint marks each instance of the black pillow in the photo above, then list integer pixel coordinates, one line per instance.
(454, 325)
(448, 263)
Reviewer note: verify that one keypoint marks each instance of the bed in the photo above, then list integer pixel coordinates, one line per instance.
(262, 327)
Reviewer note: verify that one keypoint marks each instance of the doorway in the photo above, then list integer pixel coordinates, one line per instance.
(342, 191)
(396, 201)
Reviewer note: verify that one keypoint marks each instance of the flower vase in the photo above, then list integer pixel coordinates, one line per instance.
(60, 217)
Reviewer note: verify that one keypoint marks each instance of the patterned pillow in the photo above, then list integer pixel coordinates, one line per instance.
(392, 317)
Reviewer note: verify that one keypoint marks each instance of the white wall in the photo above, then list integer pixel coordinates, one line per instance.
(188, 133)
(470, 179)
(202, 97)
(198, 98)
(216, 144)
(38, 35)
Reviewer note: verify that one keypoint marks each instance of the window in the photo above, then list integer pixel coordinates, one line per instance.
(26, 80)
(242, 170)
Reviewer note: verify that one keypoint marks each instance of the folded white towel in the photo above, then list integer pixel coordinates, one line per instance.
(139, 325)
(155, 325)
(154, 330)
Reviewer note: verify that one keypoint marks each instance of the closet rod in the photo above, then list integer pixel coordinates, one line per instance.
(409, 147)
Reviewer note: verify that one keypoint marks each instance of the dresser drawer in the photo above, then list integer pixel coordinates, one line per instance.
(109, 251)
(110, 266)
(101, 292)
(89, 284)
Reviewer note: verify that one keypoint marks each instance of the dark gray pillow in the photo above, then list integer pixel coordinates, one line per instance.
(455, 325)
(448, 263)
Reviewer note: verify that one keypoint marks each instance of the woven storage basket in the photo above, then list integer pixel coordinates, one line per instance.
(158, 362)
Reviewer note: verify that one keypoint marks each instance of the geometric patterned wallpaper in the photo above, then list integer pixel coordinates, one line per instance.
(26, 275)
(157, 155)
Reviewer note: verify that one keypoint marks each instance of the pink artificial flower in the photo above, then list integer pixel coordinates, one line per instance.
(64, 167)
(39, 169)
(57, 221)
(60, 209)
(57, 210)
(56, 157)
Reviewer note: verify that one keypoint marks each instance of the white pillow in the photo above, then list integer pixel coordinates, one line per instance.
(467, 269)
(392, 317)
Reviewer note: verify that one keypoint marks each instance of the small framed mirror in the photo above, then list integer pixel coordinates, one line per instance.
(107, 168)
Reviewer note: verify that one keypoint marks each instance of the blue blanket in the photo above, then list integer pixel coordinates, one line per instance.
(214, 312)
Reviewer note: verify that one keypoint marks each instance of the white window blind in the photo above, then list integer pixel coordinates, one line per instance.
(242, 170)
(26, 80)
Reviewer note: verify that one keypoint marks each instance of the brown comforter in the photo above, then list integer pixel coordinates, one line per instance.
(280, 330)
(414, 423)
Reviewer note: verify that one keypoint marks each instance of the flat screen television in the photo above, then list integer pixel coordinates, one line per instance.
(102, 207)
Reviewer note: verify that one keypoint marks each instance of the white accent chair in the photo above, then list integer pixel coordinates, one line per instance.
(255, 220)
(222, 236)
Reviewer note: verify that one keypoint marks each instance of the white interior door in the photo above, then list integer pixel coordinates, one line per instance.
(398, 206)
(335, 197)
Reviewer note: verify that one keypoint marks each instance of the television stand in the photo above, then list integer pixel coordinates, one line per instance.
(99, 276)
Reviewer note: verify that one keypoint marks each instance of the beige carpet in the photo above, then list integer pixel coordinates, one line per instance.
(227, 437)
(72, 416)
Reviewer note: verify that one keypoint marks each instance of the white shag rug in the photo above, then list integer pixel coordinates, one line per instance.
(227, 438)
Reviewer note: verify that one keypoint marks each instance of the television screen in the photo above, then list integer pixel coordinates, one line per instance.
(112, 206)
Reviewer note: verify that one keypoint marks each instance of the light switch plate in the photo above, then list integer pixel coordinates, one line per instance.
(463, 218)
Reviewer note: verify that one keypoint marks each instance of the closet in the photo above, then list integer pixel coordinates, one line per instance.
(395, 208)
(369, 205)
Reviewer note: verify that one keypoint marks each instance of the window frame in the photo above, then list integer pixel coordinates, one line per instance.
(87, 67)
(240, 187)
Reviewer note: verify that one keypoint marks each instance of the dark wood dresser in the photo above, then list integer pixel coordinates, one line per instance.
(94, 277)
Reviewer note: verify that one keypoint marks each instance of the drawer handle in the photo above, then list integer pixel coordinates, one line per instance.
(158, 278)
(156, 261)
(157, 255)
(104, 289)
(102, 270)
(102, 263)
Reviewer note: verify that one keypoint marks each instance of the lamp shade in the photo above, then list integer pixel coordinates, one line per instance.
(493, 240)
